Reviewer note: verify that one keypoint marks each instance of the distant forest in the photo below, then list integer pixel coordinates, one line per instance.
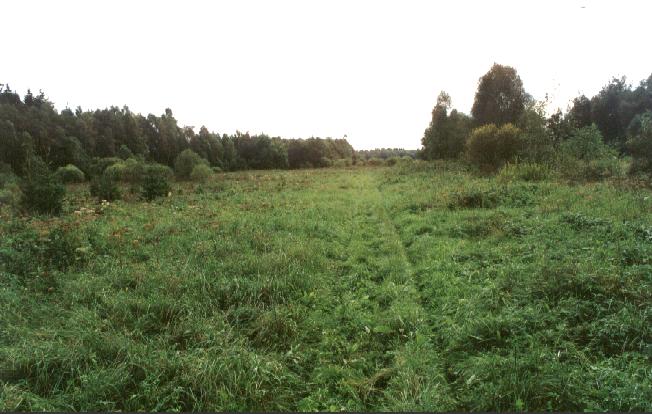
(505, 125)
(31, 126)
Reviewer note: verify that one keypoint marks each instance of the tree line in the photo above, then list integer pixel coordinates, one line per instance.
(507, 124)
(31, 127)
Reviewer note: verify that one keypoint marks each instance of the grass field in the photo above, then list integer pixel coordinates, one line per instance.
(407, 288)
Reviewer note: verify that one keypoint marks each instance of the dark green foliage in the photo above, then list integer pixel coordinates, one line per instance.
(130, 170)
(124, 152)
(586, 144)
(540, 136)
(94, 140)
(70, 174)
(579, 115)
(447, 134)
(42, 192)
(585, 156)
(384, 153)
(317, 152)
(500, 98)
(640, 143)
(259, 152)
(99, 165)
(10, 192)
(613, 109)
(104, 187)
(154, 183)
(186, 162)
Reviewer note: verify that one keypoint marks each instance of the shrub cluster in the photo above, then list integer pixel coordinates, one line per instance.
(491, 147)
(104, 187)
(201, 172)
(10, 192)
(43, 193)
(155, 183)
(70, 174)
(186, 162)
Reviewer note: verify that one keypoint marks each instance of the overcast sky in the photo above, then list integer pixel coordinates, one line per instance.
(370, 70)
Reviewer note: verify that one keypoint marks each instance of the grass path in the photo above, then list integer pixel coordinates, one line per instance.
(385, 363)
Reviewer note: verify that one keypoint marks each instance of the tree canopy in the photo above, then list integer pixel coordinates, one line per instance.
(500, 98)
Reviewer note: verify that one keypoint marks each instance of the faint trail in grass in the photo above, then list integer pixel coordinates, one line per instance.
(421, 381)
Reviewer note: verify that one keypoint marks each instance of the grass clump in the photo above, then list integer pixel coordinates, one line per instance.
(524, 171)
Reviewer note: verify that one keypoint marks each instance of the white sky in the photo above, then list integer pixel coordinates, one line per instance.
(368, 69)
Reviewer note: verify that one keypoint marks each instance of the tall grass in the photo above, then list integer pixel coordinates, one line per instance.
(339, 289)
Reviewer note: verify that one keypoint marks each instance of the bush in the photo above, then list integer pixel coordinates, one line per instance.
(116, 171)
(70, 174)
(585, 156)
(104, 187)
(586, 144)
(186, 162)
(99, 165)
(10, 193)
(590, 170)
(133, 170)
(524, 172)
(43, 193)
(640, 145)
(375, 162)
(155, 183)
(342, 162)
(129, 171)
(201, 173)
(391, 161)
(491, 147)
(124, 152)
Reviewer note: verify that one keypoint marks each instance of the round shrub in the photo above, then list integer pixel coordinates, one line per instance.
(133, 170)
(154, 184)
(201, 173)
(116, 171)
(99, 165)
(159, 169)
(104, 187)
(491, 147)
(186, 162)
(70, 174)
(586, 157)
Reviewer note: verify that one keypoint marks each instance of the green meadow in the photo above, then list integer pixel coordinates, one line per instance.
(421, 286)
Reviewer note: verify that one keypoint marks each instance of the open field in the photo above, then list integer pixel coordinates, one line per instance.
(407, 288)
